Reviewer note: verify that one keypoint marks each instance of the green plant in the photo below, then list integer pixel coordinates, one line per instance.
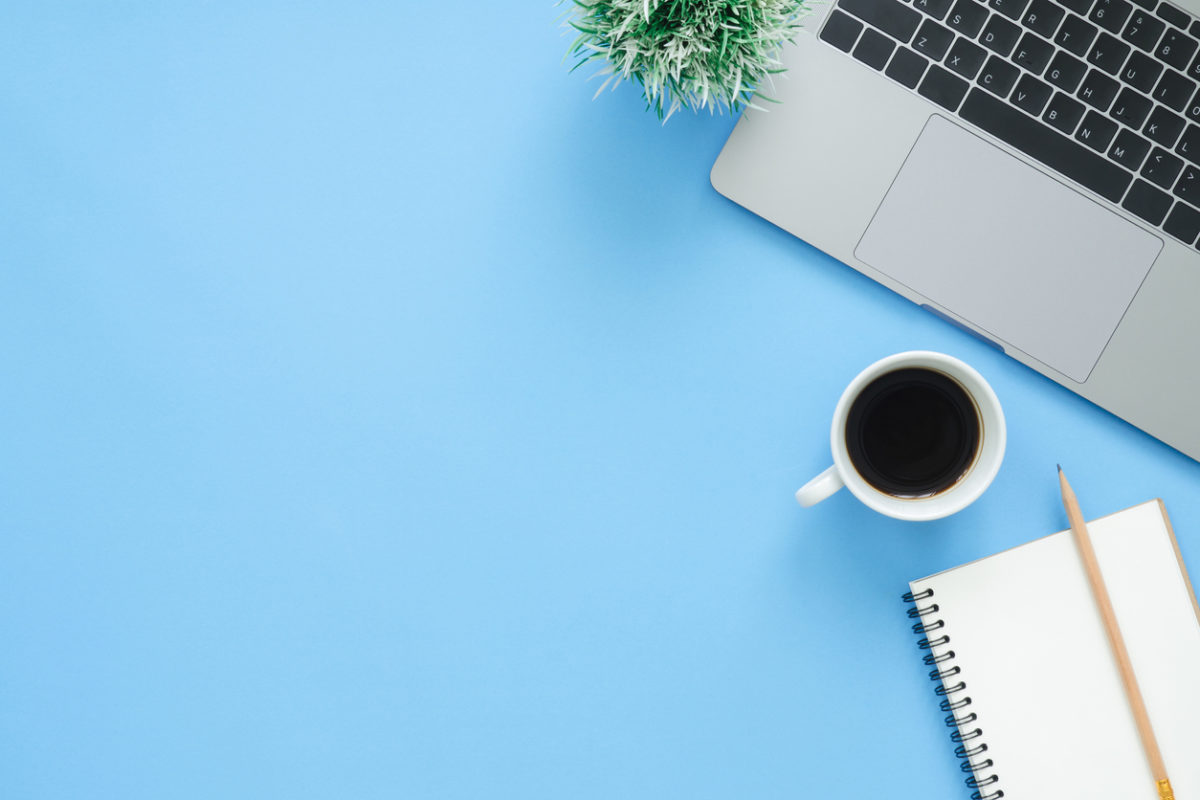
(695, 54)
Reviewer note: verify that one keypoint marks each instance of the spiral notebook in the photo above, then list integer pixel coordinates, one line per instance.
(1025, 675)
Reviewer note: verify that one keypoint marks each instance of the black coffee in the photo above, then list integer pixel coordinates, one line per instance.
(912, 432)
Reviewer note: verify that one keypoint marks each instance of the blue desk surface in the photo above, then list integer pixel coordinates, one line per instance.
(383, 417)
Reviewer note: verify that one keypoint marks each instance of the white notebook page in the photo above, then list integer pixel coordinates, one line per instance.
(1041, 676)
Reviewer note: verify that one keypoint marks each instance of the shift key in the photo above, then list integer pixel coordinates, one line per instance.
(890, 16)
(1045, 145)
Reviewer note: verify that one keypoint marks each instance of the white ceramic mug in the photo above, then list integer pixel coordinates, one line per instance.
(978, 475)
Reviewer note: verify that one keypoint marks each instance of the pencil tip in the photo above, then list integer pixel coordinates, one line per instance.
(1060, 468)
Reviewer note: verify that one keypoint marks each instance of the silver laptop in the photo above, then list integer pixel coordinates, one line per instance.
(1028, 170)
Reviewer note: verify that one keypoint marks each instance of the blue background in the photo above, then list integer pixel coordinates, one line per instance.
(383, 417)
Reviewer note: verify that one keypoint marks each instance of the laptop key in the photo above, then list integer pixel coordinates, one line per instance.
(1075, 35)
(1096, 131)
(1148, 202)
(1163, 127)
(1129, 150)
(1189, 144)
(1141, 72)
(1131, 108)
(933, 40)
(1033, 53)
(998, 76)
(1063, 113)
(1009, 8)
(1031, 95)
(965, 58)
(1142, 30)
(1192, 111)
(1161, 168)
(1194, 70)
(934, 8)
(967, 17)
(890, 16)
(1188, 185)
(1108, 53)
(943, 88)
(1176, 17)
(841, 31)
(1042, 144)
(907, 67)
(1078, 6)
(1065, 72)
(1042, 18)
(1176, 48)
(1110, 14)
(1174, 90)
(1183, 222)
(1098, 90)
(874, 49)
(999, 35)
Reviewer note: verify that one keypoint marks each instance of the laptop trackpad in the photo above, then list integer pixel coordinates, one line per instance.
(1022, 257)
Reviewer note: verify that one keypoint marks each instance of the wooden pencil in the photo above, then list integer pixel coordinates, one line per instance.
(1100, 592)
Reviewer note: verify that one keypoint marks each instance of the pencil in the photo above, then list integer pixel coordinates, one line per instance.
(1100, 592)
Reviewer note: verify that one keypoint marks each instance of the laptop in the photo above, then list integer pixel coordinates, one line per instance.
(1028, 170)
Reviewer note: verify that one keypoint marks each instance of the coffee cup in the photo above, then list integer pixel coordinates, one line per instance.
(916, 436)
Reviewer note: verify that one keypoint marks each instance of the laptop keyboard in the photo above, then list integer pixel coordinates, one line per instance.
(1105, 92)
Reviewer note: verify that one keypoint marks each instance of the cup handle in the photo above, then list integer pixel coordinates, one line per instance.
(820, 487)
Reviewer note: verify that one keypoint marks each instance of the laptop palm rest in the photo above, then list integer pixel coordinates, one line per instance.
(1011, 250)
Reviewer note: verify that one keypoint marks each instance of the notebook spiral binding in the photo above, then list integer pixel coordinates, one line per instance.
(969, 745)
